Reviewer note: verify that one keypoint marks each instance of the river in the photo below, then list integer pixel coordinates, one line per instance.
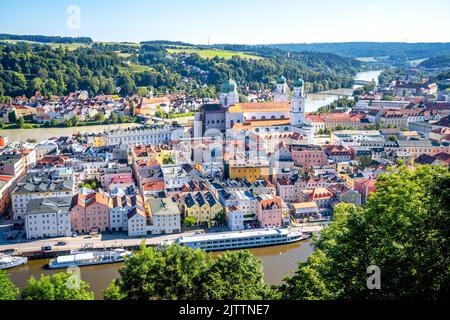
(278, 261)
(319, 99)
(15, 135)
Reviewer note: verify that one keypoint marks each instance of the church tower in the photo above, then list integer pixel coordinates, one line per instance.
(298, 103)
(229, 95)
(281, 93)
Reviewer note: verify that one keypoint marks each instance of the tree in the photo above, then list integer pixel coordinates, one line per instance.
(114, 117)
(61, 286)
(403, 229)
(92, 184)
(68, 123)
(169, 273)
(393, 138)
(189, 222)
(178, 272)
(132, 108)
(167, 159)
(12, 118)
(234, 275)
(221, 218)
(8, 291)
(20, 122)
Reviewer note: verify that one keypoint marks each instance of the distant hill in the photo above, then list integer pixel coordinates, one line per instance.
(371, 49)
(45, 39)
(437, 62)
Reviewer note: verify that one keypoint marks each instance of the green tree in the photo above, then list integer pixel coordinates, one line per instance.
(12, 118)
(189, 222)
(221, 218)
(8, 291)
(234, 275)
(167, 159)
(132, 108)
(20, 122)
(169, 273)
(403, 229)
(61, 286)
(114, 117)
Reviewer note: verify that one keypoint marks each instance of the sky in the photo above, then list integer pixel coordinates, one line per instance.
(231, 21)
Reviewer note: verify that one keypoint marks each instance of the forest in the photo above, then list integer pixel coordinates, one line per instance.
(103, 67)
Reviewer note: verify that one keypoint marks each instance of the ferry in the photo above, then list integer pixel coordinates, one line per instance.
(238, 240)
(89, 258)
(7, 262)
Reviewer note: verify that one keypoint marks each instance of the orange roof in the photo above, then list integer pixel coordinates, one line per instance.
(260, 123)
(260, 107)
(158, 185)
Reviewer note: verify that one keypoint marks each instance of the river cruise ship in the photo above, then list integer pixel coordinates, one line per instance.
(89, 258)
(7, 262)
(239, 240)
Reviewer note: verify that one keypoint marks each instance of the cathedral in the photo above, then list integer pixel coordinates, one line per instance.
(278, 116)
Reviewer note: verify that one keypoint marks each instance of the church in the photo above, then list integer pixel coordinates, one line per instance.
(279, 116)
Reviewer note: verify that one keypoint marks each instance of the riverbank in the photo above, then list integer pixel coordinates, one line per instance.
(278, 262)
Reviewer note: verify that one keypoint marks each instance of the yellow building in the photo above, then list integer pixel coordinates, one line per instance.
(204, 207)
(99, 141)
(250, 172)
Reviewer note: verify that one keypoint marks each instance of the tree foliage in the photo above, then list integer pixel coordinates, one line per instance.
(61, 286)
(403, 229)
(177, 272)
(8, 291)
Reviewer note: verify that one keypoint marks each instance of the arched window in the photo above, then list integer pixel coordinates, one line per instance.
(263, 118)
(282, 117)
(272, 117)
(253, 118)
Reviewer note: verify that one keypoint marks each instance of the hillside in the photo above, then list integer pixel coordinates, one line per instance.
(393, 51)
(437, 62)
(58, 68)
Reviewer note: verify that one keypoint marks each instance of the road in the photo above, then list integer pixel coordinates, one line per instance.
(97, 241)
(117, 239)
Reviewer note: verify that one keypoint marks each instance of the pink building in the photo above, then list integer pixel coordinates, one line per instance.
(270, 212)
(89, 212)
(308, 156)
(111, 173)
(121, 182)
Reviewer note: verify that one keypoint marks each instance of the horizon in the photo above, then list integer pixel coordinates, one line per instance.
(232, 22)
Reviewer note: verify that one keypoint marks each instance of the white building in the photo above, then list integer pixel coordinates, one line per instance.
(48, 217)
(140, 135)
(165, 216)
(174, 176)
(38, 185)
(235, 218)
(137, 222)
(119, 208)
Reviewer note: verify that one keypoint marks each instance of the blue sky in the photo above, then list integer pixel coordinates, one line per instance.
(234, 21)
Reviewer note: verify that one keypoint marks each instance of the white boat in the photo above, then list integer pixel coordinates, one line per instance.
(89, 258)
(7, 262)
(239, 240)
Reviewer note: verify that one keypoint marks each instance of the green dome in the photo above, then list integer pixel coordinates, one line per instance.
(281, 80)
(229, 86)
(299, 82)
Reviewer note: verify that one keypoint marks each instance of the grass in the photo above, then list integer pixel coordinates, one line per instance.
(210, 54)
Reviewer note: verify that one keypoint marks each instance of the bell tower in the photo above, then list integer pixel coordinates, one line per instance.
(298, 103)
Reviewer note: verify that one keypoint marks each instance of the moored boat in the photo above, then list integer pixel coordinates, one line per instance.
(89, 258)
(239, 240)
(7, 262)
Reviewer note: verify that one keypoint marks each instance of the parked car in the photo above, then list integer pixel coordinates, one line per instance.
(11, 236)
(46, 248)
(74, 235)
(61, 243)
